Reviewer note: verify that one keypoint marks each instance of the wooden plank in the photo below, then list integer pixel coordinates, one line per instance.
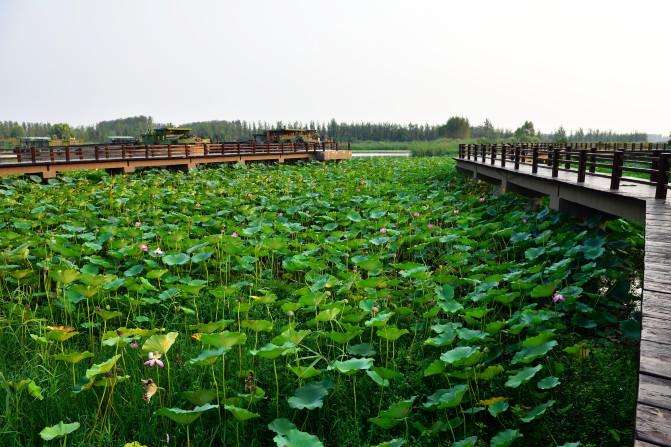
(655, 358)
(640, 443)
(655, 329)
(654, 391)
(653, 425)
(657, 305)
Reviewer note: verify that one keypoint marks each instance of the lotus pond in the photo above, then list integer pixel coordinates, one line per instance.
(374, 302)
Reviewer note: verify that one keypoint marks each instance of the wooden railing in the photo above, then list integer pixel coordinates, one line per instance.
(108, 152)
(649, 165)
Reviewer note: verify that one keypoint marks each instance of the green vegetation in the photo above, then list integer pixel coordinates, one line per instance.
(437, 147)
(220, 130)
(371, 302)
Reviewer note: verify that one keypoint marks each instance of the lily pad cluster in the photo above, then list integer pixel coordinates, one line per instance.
(379, 302)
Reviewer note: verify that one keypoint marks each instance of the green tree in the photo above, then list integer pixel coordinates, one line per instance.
(62, 131)
(456, 127)
(526, 132)
(560, 135)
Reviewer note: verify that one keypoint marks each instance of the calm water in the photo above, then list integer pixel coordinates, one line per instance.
(380, 153)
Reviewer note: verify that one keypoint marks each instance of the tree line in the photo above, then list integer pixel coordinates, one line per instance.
(237, 130)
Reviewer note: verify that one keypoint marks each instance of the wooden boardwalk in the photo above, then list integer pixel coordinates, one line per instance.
(47, 162)
(632, 198)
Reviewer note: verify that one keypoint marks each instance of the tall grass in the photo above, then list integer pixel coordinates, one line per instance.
(442, 146)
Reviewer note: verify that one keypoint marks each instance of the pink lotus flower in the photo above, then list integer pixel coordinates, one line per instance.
(154, 360)
(235, 234)
(558, 298)
(383, 230)
(134, 344)
(429, 226)
(144, 248)
(138, 224)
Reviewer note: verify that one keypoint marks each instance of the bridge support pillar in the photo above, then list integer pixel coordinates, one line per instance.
(46, 175)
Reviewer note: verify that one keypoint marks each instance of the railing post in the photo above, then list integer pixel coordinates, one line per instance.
(493, 157)
(169, 151)
(123, 152)
(662, 177)
(146, 151)
(67, 153)
(592, 160)
(32, 154)
(655, 165)
(96, 154)
(616, 174)
(582, 165)
(238, 148)
(517, 156)
(206, 150)
(503, 155)
(483, 150)
(555, 162)
(187, 151)
(461, 151)
(17, 152)
(567, 158)
(534, 160)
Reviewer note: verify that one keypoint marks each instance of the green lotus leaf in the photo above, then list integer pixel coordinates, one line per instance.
(504, 438)
(537, 411)
(305, 372)
(466, 442)
(208, 356)
(214, 326)
(379, 320)
(58, 431)
(257, 325)
(396, 442)
(241, 414)
(461, 356)
(73, 357)
(446, 398)
(176, 259)
(184, 417)
(391, 333)
(199, 397)
(528, 355)
(310, 396)
(543, 290)
(271, 351)
(297, 438)
(394, 415)
(328, 314)
(351, 366)
(160, 343)
(498, 407)
(548, 383)
(225, 339)
(377, 378)
(362, 350)
(102, 368)
(522, 376)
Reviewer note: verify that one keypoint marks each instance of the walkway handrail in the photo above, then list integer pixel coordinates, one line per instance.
(110, 152)
(650, 165)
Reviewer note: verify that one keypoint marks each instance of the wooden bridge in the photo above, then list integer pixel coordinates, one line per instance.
(47, 162)
(630, 183)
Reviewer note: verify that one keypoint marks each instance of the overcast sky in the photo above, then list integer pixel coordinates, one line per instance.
(591, 64)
